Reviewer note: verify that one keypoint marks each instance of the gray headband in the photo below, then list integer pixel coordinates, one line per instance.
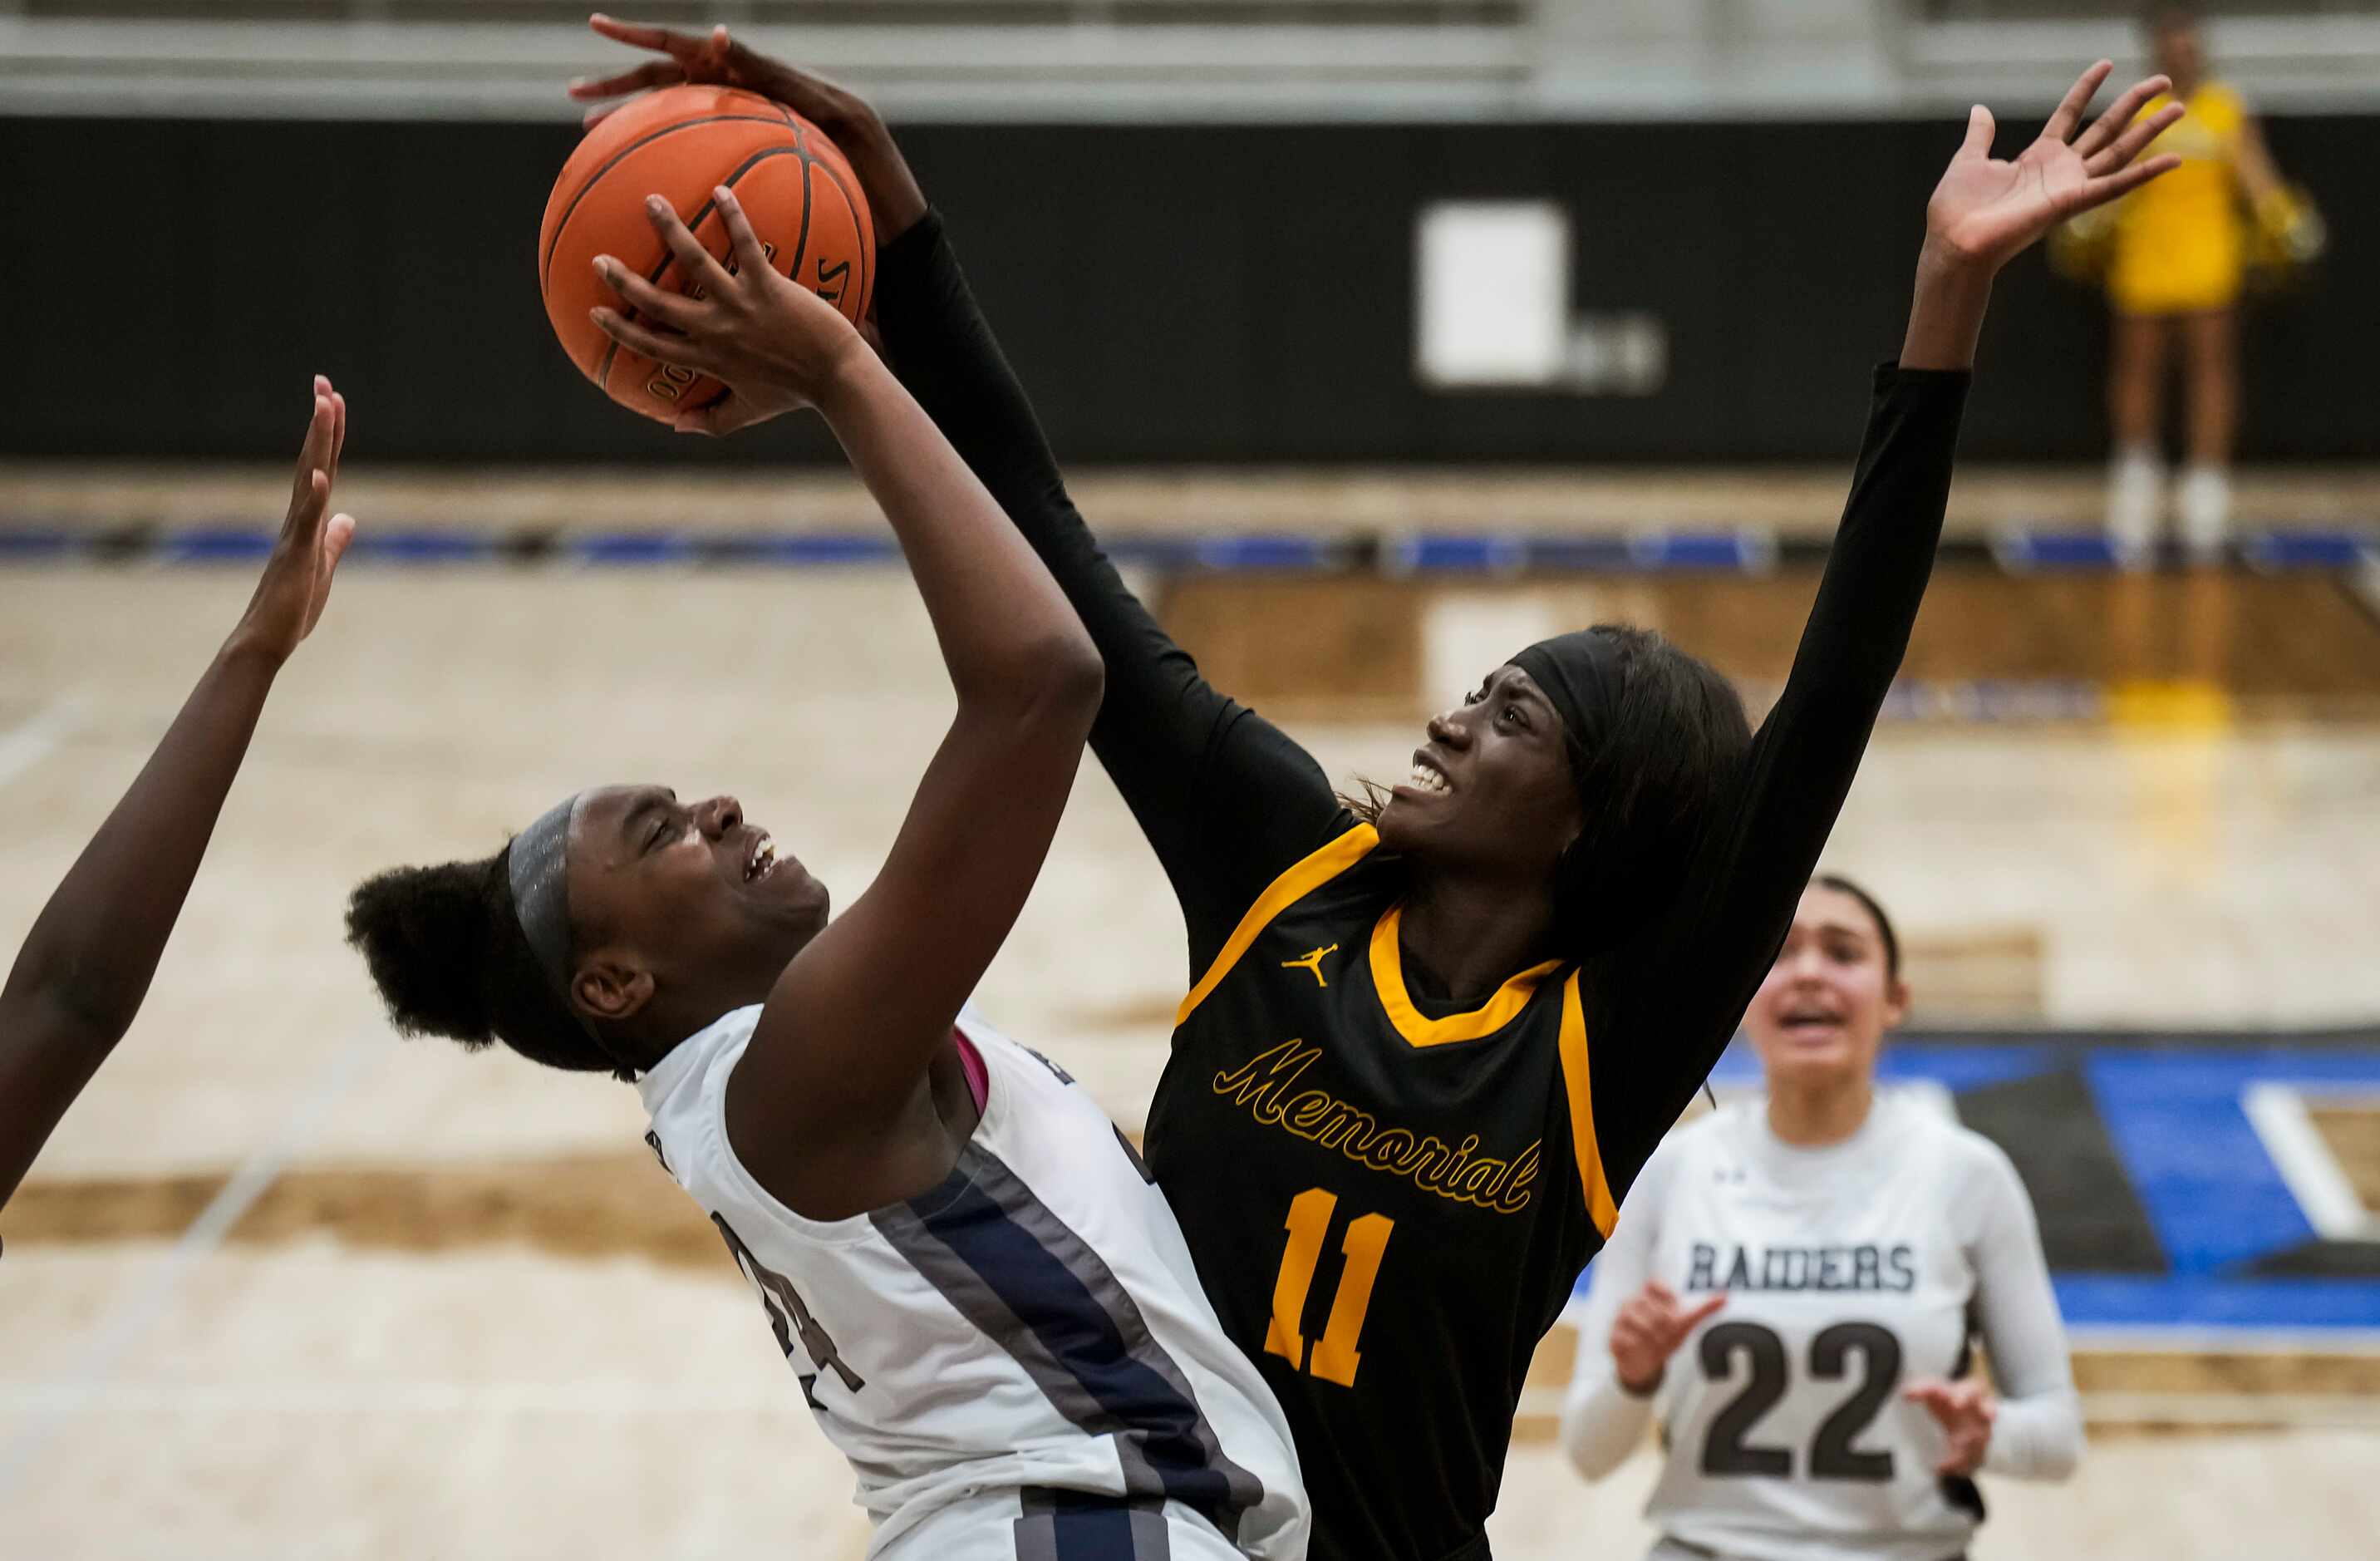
(540, 881)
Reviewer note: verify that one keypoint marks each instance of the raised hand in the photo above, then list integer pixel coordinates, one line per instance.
(717, 60)
(1986, 211)
(296, 579)
(773, 343)
(1965, 1410)
(1648, 1331)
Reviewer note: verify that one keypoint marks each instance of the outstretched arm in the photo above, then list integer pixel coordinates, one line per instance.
(840, 1057)
(1226, 799)
(1671, 1000)
(86, 965)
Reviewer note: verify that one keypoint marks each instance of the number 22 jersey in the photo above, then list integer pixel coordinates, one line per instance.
(1850, 1270)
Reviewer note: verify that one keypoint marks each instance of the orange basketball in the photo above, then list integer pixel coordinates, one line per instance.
(679, 144)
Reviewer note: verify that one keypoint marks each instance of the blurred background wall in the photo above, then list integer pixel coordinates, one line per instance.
(1199, 223)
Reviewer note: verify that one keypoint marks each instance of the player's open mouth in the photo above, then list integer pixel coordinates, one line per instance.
(1807, 1024)
(762, 861)
(1427, 777)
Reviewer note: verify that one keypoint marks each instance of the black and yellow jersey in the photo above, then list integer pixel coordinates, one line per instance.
(1396, 1203)
(1390, 1191)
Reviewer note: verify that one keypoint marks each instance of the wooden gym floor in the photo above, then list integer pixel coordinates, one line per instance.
(286, 1286)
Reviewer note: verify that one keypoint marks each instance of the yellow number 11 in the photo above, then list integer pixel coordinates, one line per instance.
(1335, 1355)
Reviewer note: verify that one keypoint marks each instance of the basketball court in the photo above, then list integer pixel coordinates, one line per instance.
(285, 1285)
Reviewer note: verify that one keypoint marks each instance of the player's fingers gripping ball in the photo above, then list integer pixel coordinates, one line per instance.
(799, 192)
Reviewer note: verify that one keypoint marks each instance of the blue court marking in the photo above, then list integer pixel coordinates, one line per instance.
(2196, 1302)
(417, 546)
(828, 548)
(2175, 1117)
(215, 544)
(36, 545)
(1990, 700)
(2310, 549)
(1458, 555)
(1954, 1067)
(2024, 549)
(1733, 551)
(1689, 552)
(1594, 555)
(2211, 1190)
(1260, 552)
(631, 548)
(1738, 550)
(1131, 550)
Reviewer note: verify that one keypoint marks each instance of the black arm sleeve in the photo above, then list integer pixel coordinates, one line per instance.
(1667, 1004)
(1224, 797)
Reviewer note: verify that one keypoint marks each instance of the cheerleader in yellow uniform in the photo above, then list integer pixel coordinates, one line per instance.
(2181, 253)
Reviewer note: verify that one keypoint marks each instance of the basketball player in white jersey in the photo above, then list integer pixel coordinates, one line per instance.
(986, 1301)
(1795, 1285)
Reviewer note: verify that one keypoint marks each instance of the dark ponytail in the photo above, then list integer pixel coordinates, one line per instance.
(1650, 788)
(447, 953)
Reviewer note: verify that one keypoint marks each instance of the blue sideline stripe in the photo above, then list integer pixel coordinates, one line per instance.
(631, 547)
(215, 544)
(1458, 555)
(1740, 550)
(2309, 549)
(798, 550)
(1261, 551)
(1131, 551)
(2201, 1302)
(420, 546)
(2026, 549)
(32, 546)
(1597, 555)
(1675, 552)
(1685, 552)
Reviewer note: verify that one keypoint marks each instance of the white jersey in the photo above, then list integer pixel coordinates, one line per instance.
(1849, 1272)
(1023, 1340)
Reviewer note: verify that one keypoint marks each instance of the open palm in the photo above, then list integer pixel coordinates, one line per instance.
(296, 579)
(1989, 210)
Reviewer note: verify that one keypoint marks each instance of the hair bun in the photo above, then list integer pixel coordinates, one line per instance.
(424, 932)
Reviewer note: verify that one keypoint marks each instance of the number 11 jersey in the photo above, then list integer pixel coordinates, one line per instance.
(1389, 1206)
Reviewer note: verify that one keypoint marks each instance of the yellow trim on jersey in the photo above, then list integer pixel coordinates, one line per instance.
(1389, 977)
(1600, 1206)
(1293, 886)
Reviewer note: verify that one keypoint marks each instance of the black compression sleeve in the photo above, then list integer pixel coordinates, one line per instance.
(1226, 799)
(1666, 1005)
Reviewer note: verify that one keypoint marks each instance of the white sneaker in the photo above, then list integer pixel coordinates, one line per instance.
(2136, 485)
(2204, 508)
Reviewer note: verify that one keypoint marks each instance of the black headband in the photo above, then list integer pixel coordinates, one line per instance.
(1580, 674)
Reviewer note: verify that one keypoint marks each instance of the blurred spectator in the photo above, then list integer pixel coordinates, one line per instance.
(2178, 253)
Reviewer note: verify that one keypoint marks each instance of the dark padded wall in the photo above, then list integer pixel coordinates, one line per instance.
(1170, 293)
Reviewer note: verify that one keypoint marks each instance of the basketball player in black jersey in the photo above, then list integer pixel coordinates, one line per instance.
(86, 965)
(1431, 1039)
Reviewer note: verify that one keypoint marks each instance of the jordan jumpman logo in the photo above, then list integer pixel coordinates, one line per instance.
(1311, 962)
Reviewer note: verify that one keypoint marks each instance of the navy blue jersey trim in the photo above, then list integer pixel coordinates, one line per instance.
(1013, 1269)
